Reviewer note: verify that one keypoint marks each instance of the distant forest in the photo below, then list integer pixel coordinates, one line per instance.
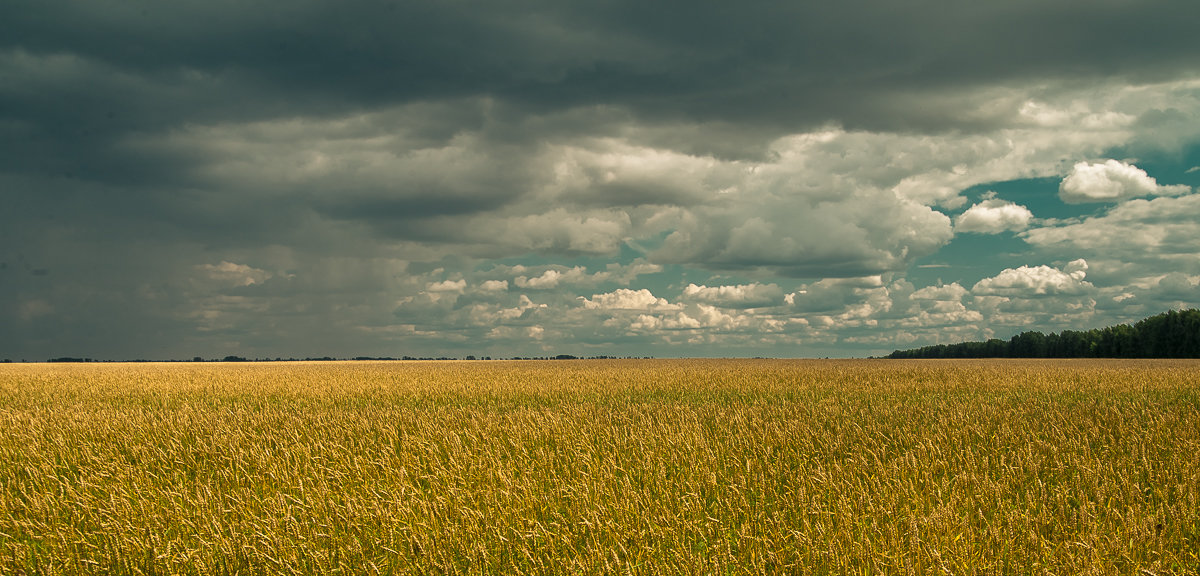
(1174, 334)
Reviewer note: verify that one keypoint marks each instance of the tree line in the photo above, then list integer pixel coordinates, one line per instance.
(1174, 334)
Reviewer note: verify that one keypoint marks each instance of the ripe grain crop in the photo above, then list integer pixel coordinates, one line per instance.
(601, 467)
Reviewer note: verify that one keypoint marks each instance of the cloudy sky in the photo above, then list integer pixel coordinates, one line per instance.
(532, 177)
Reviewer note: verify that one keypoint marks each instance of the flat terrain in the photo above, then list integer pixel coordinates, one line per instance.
(648, 467)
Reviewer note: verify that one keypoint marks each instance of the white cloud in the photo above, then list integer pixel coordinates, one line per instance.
(993, 216)
(1136, 234)
(739, 296)
(836, 238)
(702, 317)
(616, 172)
(949, 292)
(646, 323)
(552, 277)
(626, 299)
(484, 315)
(453, 286)
(548, 279)
(677, 321)
(494, 286)
(1111, 181)
(934, 312)
(1028, 281)
(1039, 297)
(558, 276)
(713, 317)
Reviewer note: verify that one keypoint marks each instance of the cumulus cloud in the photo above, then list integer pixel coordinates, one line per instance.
(494, 286)
(615, 172)
(550, 278)
(701, 317)
(484, 315)
(626, 299)
(993, 216)
(1036, 281)
(1111, 181)
(837, 238)
(678, 321)
(714, 317)
(952, 292)
(560, 276)
(455, 286)
(1137, 232)
(738, 296)
(1038, 297)
(834, 294)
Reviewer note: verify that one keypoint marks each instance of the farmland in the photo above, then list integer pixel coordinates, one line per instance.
(601, 466)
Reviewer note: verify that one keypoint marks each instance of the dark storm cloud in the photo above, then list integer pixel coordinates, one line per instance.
(82, 79)
(85, 82)
(148, 147)
(759, 61)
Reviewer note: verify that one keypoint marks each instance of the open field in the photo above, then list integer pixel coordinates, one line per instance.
(655, 466)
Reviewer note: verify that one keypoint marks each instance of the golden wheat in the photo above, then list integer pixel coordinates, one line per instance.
(601, 467)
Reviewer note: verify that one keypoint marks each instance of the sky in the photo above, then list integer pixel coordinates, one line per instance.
(539, 177)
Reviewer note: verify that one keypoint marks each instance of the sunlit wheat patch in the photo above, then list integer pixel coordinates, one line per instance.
(598, 467)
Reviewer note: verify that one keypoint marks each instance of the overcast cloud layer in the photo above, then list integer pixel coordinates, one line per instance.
(534, 178)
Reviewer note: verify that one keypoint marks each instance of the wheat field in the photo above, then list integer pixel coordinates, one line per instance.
(601, 467)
